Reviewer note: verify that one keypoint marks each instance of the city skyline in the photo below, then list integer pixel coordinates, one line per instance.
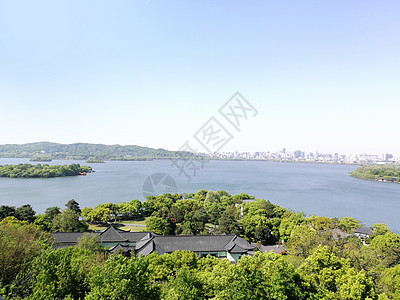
(286, 154)
(321, 76)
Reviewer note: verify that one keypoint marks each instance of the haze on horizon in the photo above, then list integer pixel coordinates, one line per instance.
(322, 75)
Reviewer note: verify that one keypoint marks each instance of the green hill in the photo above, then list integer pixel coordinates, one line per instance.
(85, 151)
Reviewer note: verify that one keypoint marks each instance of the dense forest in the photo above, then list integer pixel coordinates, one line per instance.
(319, 262)
(42, 171)
(83, 151)
(389, 173)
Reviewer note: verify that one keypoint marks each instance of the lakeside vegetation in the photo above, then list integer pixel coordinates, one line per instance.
(41, 157)
(83, 151)
(319, 263)
(94, 160)
(387, 173)
(42, 171)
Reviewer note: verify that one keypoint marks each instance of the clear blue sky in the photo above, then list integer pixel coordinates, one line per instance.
(323, 75)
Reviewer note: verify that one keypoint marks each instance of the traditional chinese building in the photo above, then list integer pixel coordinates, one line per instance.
(231, 247)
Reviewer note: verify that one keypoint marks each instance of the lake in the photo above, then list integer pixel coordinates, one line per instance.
(320, 189)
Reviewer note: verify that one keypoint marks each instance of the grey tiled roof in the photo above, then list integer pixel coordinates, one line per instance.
(135, 236)
(115, 248)
(203, 243)
(66, 237)
(365, 230)
(111, 234)
(147, 248)
(243, 243)
(193, 243)
(147, 242)
(237, 249)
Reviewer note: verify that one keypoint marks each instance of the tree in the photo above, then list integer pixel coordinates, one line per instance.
(194, 222)
(331, 277)
(380, 229)
(266, 276)
(321, 223)
(213, 206)
(131, 209)
(25, 213)
(160, 226)
(112, 207)
(7, 211)
(289, 223)
(258, 228)
(20, 242)
(85, 212)
(90, 242)
(227, 222)
(44, 222)
(216, 277)
(179, 208)
(259, 207)
(349, 224)
(303, 239)
(100, 214)
(68, 221)
(389, 283)
(186, 286)
(60, 274)
(122, 279)
(51, 212)
(387, 248)
(264, 235)
(74, 206)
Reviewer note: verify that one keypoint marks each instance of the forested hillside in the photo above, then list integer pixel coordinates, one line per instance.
(85, 151)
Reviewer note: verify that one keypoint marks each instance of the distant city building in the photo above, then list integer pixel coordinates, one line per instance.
(299, 155)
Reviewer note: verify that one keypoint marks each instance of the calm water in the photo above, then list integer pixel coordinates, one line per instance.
(319, 189)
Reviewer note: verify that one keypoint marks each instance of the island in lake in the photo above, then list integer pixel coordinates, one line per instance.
(94, 160)
(385, 173)
(42, 171)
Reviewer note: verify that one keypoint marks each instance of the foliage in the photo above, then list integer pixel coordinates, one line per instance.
(41, 157)
(389, 283)
(289, 223)
(22, 213)
(42, 171)
(186, 286)
(74, 206)
(90, 242)
(20, 242)
(68, 221)
(331, 277)
(266, 276)
(94, 160)
(378, 172)
(122, 278)
(87, 151)
(60, 273)
(160, 225)
(349, 224)
(321, 262)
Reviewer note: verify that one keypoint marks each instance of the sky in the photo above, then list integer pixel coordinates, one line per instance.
(321, 75)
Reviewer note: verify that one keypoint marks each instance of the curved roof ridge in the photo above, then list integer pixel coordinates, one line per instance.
(111, 234)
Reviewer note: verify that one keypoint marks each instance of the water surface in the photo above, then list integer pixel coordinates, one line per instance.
(319, 189)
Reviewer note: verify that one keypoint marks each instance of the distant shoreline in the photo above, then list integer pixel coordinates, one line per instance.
(205, 158)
